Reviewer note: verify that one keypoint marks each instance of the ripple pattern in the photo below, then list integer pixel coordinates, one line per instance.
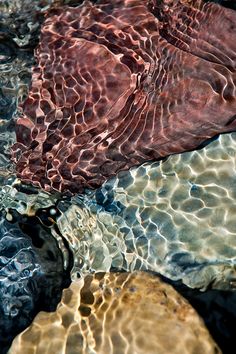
(116, 84)
(120, 83)
(175, 217)
(31, 275)
(19, 24)
(118, 313)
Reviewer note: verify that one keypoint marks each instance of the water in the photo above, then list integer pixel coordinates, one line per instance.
(174, 217)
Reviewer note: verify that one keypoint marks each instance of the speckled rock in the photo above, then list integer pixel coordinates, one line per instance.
(176, 217)
(117, 313)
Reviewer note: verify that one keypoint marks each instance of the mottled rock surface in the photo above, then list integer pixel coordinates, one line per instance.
(176, 217)
(118, 313)
(120, 83)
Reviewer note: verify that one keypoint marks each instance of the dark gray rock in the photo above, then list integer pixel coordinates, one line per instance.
(31, 274)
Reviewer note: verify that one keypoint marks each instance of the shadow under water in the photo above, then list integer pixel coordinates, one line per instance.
(218, 310)
(32, 275)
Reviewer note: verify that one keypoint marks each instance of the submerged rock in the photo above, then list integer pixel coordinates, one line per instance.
(19, 31)
(14, 79)
(24, 199)
(176, 217)
(32, 275)
(118, 313)
(21, 20)
(218, 310)
(119, 83)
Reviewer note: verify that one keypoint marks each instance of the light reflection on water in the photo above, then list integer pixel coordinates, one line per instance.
(207, 178)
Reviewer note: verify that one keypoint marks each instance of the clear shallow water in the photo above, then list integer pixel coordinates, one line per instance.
(175, 217)
(188, 201)
(119, 312)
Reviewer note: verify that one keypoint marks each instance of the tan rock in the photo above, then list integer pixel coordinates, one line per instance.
(118, 313)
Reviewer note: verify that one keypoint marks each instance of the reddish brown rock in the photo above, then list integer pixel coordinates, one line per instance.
(117, 84)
